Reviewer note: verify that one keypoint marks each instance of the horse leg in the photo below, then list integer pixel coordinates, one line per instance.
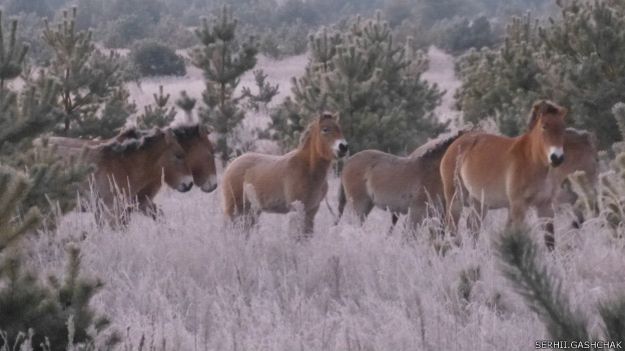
(516, 214)
(394, 219)
(362, 207)
(453, 199)
(475, 218)
(145, 197)
(545, 212)
(309, 222)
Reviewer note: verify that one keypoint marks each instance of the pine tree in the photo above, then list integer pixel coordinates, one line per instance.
(502, 82)
(576, 59)
(24, 116)
(223, 59)
(187, 104)
(543, 291)
(373, 84)
(157, 114)
(584, 56)
(266, 91)
(31, 180)
(89, 80)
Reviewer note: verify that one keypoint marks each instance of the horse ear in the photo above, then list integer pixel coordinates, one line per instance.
(326, 115)
(538, 107)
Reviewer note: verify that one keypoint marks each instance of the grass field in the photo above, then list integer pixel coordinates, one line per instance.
(187, 282)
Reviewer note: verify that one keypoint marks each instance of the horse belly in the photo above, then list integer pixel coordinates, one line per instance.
(490, 192)
(391, 192)
(396, 203)
(266, 198)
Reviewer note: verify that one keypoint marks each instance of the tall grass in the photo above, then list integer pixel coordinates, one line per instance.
(186, 282)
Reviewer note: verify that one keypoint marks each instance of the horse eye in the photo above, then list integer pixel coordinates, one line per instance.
(180, 156)
(325, 130)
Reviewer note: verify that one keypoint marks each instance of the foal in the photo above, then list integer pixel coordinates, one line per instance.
(255, 183)
(499, 171)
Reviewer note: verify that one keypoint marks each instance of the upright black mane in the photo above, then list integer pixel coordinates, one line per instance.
(132, 140)
(539, 108)
(441, 146)
(186, 131)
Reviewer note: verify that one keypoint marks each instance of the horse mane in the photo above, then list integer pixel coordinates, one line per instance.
(581, 136)
(134, 140)
(186, 131)
(539, 108)
(441, 146)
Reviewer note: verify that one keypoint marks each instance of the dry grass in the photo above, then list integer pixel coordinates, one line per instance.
(190, 281)
(186, 282)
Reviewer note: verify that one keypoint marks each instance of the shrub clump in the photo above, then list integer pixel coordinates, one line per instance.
(155, 59)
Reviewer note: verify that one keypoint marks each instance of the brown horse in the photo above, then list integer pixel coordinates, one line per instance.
(130, 163)
(400, 185)
(198, 157)
(255, 183)
(498, 171)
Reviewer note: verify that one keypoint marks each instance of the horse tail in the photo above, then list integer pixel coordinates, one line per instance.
(342, 201)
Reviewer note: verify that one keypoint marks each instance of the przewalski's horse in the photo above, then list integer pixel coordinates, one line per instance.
(499, 172)
(198, 157)
(400, 185)
(255, 183)
(581, 155)
(130, 163)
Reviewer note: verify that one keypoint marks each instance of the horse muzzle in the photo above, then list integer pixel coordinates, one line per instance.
(556, 156)
(341, 148)
(209, 185)
(185, 186)
(556, 160)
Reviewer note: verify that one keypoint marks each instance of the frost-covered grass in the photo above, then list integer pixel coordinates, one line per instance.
(193, 284)
(187, 282)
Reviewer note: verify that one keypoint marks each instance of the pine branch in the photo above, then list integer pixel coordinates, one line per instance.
(521, 263)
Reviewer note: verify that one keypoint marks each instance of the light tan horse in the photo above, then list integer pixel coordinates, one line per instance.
(400, 185)
(498, 172)
(255, 183)
(130, 163)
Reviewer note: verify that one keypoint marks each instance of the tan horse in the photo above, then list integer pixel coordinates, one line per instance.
(498, 171)
(400, 185)
(255, 183)
(131, 163)
(581, 155)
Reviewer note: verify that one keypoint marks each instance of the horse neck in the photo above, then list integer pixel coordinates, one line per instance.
(532, 150)
(317, 165)
(142, 169)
